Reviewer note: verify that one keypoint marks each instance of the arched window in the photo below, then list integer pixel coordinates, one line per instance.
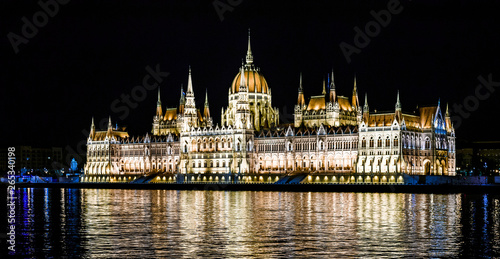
(371, 142)
(427, 143)
(396, 143)
(363, 142)
(379, 142)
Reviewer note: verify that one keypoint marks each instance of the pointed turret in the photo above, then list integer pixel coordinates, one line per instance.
(190, 112)
(92, 129)
(190, 84)
(182, 100)
(324, 87)
(249, 50)
(333, 93)
(355, 99)
(300, 100)
(398, 103)
(449, 126)
(206, 111)
(398, 108)
(159, 111)
(110, 127)
(366, 109)
(243, 83)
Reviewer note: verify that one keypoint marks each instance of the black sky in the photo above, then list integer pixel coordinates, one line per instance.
(92, 52)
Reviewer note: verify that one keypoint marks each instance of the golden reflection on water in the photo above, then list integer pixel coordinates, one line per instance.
(235, 224)
(185, 224)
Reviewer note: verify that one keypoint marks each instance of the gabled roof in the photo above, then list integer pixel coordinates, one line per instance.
(316, 103)
(170, 114)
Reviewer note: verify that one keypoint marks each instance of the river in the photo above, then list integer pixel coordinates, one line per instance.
(103, 223)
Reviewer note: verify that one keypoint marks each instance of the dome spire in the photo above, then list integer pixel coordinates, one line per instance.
(249, 50)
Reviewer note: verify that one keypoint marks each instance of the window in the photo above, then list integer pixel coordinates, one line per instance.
(379, 142)
(371, 142)
(396, 143)
(363, 143)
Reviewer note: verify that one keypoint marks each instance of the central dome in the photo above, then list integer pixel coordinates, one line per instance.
(255, 81)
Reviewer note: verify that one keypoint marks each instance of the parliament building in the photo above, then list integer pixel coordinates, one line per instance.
(333, 139)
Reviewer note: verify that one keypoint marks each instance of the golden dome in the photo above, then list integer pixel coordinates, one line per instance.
(255, 81)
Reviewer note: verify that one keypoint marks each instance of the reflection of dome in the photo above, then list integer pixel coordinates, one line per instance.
(255, 81)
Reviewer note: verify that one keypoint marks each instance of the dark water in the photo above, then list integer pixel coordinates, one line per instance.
(185, 224)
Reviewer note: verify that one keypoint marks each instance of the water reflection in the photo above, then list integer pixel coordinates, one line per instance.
(185, 224)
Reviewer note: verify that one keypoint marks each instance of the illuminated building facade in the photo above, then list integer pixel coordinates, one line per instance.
(327, 140)
(421, 143)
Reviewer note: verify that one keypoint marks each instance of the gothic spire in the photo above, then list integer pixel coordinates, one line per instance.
(333, 93)
(206, 97)
(190, 84)
(365, 107)
(182, 99)
(300, 99)
(158, 104)
(243, 84)
(324, 87)
(92, 129)
(355, 99)
(300, 83)
(398, 103)
(249, 50)
(206, 110)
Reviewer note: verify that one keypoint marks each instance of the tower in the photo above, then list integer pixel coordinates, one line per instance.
(242, 116)
(249, 57)
(366, 110)
(206, 112)
(333, 93)
(299, 107)
(190, 112)
(398, 109)
(355, 99)
(92, 130)
(158, 116)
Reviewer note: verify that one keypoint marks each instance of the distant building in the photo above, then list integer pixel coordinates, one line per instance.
(33, 158)
(332, 136)
(479, 158)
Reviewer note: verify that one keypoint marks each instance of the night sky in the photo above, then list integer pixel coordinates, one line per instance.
(93, 52)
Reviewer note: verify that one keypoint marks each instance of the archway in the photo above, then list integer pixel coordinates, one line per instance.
(427, 167)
